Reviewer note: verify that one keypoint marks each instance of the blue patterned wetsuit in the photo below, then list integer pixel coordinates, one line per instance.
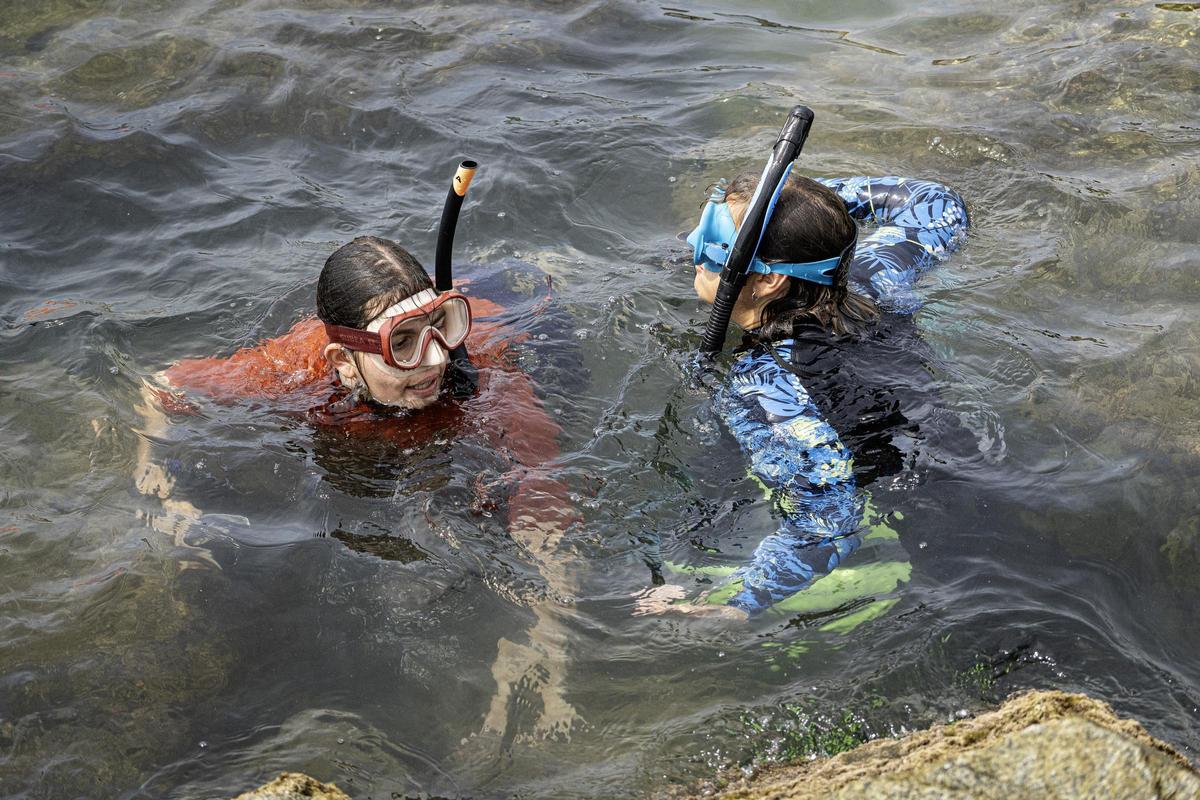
(793, 451)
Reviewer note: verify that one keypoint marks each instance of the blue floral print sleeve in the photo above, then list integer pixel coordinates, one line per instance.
(799, 458)
(920, 223)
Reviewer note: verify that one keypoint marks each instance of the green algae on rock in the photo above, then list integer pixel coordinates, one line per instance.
(151, 653)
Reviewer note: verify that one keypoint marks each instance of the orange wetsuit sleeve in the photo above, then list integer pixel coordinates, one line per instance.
(274, 369)
(518, 424)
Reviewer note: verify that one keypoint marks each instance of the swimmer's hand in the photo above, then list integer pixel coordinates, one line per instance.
(702, 374)
(661, 600)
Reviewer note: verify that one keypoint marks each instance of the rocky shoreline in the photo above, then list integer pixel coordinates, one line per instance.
(1049, 745)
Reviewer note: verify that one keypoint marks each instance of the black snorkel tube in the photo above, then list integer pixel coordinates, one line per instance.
(443, 270)
(749, 234)
(463, 376)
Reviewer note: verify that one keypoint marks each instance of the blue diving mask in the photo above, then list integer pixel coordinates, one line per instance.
(712, 240)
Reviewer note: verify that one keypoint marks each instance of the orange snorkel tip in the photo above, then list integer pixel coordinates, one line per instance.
(462, 178)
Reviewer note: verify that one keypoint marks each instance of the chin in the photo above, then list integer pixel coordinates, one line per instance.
(402, 396)
(430, 396)
(418, 403)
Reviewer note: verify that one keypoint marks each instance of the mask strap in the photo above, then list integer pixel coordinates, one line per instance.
(812, 271)
(406, 305)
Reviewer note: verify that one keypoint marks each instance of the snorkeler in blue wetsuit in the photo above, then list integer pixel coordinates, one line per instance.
(811, 282)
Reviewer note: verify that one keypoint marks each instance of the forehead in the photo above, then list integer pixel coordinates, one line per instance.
(737, 209)
(385, 303)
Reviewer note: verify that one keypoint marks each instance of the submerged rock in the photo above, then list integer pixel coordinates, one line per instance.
(139, 75)
(1039, 744)
(295, 786)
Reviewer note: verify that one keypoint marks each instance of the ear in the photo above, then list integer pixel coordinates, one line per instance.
(770, 286)
(341, 360)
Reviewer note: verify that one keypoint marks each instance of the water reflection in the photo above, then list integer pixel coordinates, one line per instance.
(174, 170)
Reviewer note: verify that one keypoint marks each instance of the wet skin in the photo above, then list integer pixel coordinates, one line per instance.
(409, 389)
(404, 388)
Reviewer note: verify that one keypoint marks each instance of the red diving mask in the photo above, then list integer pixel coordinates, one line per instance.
(402, 334)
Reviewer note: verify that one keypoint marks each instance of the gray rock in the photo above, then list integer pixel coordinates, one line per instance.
(1047, 745)
(295, 786)
(1063, 759)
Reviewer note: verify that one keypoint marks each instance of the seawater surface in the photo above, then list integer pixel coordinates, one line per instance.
(175, 172)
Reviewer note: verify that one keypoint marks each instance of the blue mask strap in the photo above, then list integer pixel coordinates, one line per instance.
(812, 271)
(716, 215)
(713, 237)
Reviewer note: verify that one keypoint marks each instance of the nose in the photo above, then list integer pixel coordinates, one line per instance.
(434, 354)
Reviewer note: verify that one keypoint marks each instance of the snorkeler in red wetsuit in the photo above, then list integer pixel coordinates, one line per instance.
(377, 364)
(369, 284)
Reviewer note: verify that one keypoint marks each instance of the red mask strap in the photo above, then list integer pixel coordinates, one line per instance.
(364, 341)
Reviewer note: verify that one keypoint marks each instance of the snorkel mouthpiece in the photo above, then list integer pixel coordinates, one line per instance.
(749, 236)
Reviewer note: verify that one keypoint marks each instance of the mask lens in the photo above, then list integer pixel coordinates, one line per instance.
(712, 238)
(406, 339)
(452, 320)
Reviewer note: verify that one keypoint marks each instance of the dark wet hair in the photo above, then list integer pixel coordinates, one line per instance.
(810, 223)
(363, 278)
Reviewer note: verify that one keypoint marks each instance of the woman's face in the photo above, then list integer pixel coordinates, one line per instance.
(392, 386)
(706, 284)
(758, 291)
